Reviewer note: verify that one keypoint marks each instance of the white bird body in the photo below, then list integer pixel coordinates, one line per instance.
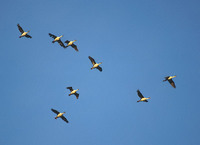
(144, 99)
(59, 115)
(171, 77)
(96, 65)
(24, 34)
(58, 38)
(74, 91)
(70, 43)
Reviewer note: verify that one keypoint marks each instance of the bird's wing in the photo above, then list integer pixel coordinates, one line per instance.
(63, 118)
(67, 41)
(51, 35)
(20, 28)
(55, 111)
(75, 47)
(99, 68)
(140, 94)
(166, 78)
(77, 95)
(70, 88)
(172, 83)
(145, 101)
(28, 36)
(92, 60)
(61, 43)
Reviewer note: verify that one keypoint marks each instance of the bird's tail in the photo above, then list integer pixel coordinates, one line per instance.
(53, 41)
(138, 101)
(55, 117)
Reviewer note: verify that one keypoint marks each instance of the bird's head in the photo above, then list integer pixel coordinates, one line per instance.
(149, 98)
(100, 63)
(77, 89)
(61, 36)
(64, 112)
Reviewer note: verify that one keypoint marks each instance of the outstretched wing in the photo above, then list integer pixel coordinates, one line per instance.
(75, 47)
(172, 83)
(70, 88)
(145, 101)
(140, 94)
(20, 28)
(51, 35)
(77, 95)
(166, 78)
(61, 43)
(63, 118)
(28, 36)
(99, 68)
(92, 60)
(55, 111)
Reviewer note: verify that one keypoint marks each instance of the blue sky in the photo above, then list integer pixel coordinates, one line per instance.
(139, 43)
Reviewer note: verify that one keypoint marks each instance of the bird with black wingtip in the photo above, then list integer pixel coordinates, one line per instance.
(71, 43)
(23, 33)
(142, 98)
(73, 92)
(60, 115)
(95, 65)
(57, 39)
(169, 79)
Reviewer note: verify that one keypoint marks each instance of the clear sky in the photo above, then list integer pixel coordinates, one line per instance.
(139, 42)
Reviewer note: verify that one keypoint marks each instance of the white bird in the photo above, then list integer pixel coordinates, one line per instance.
(71, 43)
(60, 115)
(57, 39)
(23, 33)
(73, 92)
(169, 79)
(95, 65)
(142, 97)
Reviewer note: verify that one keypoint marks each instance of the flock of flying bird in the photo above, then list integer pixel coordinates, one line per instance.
(95, 65)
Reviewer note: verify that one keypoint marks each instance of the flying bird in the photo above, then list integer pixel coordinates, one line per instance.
(73, 92)
(142, 97)
(95, 65)
(60, 115)
(169, 79)
(57, 39)
(23, 33)
(71, 43)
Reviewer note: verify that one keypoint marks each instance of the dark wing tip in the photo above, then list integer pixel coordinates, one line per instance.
(77, 95)
(75, 47)
(65, 119)
(70, 88)
(28, 36)
(67, 41)
(99, 68)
